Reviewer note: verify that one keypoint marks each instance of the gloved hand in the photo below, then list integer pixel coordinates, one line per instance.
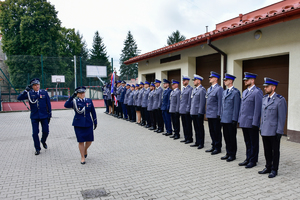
(95, 126)
(28, 88)
(256, 128)
(278, 136)
(74, 94)
(234, 123)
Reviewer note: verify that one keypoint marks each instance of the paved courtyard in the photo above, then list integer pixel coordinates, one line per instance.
(131, 162)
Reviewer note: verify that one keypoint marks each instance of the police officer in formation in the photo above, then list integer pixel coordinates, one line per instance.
(231, 102)
(273, 115)
(165, 107)
(130, 104)
(84, 121)
(139, 103)
(184, 110)
(197, 111)
(174, 108)
(128, 90)
(249, 119)
(145, 114)
(41, 112)
(108, 98)
(150, 107)
(104, 92)
(157, 107)
(118, 96)
(122, 100)
(135, 101)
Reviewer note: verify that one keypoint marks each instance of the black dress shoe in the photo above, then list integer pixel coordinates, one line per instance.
(155, 130)
(147, 126)
(37, 153)
(244, 163)
(173, 136)
(231, 158)
(264, 171)
(210, 150)
(272, 174)
(45, 145)
(152, 128)
(183, 141)
(215, 152)
(225, 157)
(176, 137)
(250, 165)
(167, 134)
(85, 155)
(127, 119)
(188, 142)
(194, 145)
(159, 131)
(142, 124)
(82, 163)
(164, 133)
(200, 146)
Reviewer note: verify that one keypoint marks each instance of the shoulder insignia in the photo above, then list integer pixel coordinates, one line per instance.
(279, 96)
(266, 95)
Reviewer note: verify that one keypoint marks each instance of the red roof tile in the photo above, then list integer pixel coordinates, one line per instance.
(276, 13)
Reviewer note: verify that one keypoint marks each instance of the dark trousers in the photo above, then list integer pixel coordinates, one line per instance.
(229, 132)
(176, 123)
(214, 125)
(153, 119)
(35, 132)
(129, 112)
(159, 120)
(251, 138)
(199, 129)
(147, 116)
(272, 151)
(186, 121)
(120, 108)
(143, 118)
(106, 105)
(133, 113)
(167, 119)
(124, 109)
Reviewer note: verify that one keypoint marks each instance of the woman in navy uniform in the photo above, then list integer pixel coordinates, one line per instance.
(82, 122)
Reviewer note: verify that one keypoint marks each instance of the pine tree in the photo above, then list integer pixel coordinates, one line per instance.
(98, 54)
(175, 37)
(130, 50)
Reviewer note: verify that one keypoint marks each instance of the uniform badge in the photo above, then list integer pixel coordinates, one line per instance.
(87, 105)
(41, 96)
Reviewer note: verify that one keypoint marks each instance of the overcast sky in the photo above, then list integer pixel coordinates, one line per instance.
(150, 21)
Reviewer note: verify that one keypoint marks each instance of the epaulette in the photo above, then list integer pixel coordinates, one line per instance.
(266, 95)
(279, 96)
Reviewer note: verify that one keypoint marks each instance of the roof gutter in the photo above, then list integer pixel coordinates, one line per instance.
(220, 52)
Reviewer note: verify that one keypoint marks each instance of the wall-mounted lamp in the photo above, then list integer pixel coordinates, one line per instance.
(147, 62)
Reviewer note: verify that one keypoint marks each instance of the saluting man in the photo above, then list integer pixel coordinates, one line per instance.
(145, 114)
(231, 103)
(197, 110)
(165, 108)
(150, 106)
(213, 112)
(158, 120)
(273, 115)
(184, 110)
(249, 119)
(174, 108)
(40, 107)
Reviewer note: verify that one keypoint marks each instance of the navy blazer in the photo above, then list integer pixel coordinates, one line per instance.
(250, 110)
(84, 119)
(273, 115)
(123, 92)
(166, 99)
(185, 100)
(231, 104)
(214, 101)
(41, 109)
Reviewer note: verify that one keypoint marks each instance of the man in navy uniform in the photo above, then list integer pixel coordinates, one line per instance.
(130, 104)
(122, 98)
(249, 119)
(213, 112)
(273, 115)
(184, 110)
(174, 108)
(157, 105)
(128, 90)
(40, 107)
(197, 110)
(231, 103)
(165, 107)
(150, 106)
(118, 95)
(145, 113)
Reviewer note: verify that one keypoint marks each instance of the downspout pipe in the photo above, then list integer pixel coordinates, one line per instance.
(224, 57)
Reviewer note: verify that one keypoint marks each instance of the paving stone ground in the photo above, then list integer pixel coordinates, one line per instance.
(131, 162)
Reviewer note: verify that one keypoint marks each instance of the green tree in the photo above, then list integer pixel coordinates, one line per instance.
(130, 50)
(98, 54)
(175, 37)
(28, 27)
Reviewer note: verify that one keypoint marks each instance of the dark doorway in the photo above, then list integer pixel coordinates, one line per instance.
(150, 77)
(175, 74)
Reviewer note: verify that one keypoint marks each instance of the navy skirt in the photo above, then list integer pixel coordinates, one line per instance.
(84, 134)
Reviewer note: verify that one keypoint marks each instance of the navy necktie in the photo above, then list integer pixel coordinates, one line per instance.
(247, 92)
(210, 88)
(227, 91)
(269, 99)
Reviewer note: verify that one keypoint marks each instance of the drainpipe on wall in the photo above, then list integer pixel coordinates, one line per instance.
(224, 57)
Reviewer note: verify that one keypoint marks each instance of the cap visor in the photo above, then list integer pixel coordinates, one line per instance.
(244, 79)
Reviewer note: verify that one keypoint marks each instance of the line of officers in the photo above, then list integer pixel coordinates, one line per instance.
(156, 107)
